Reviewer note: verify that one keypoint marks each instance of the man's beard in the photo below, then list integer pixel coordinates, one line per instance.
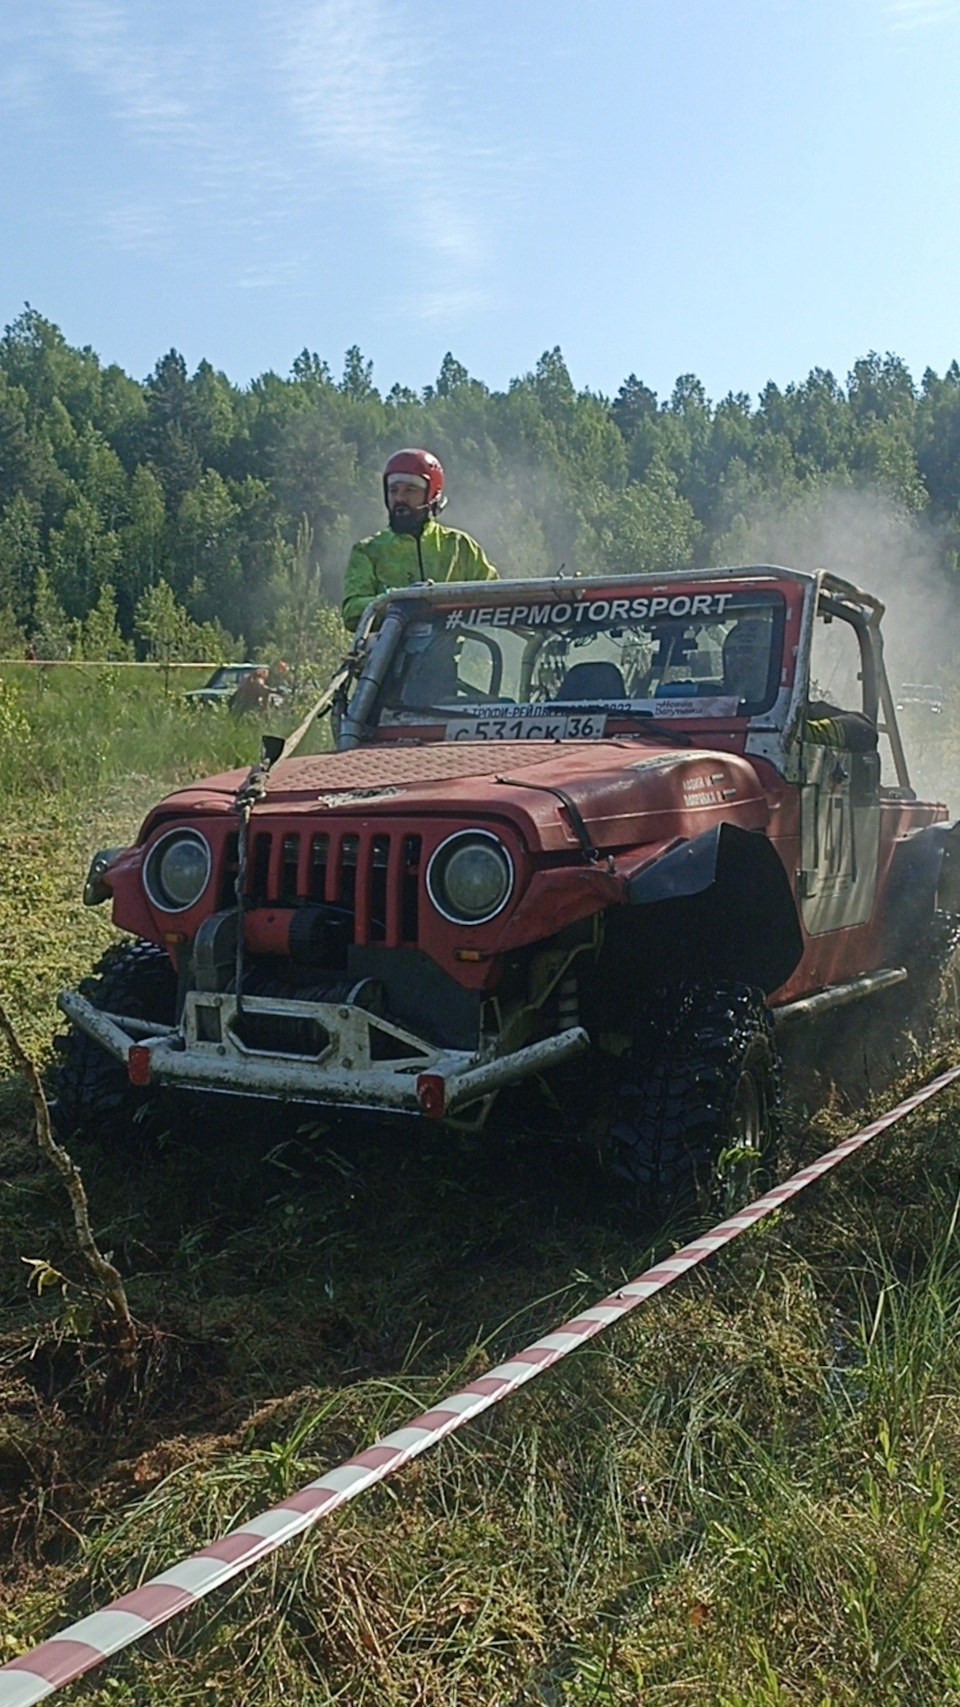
(405, 520)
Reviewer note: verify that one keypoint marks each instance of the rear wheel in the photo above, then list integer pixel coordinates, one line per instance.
(941, 1020)
(92, 1093)
(697, 1111)
(908, 1021)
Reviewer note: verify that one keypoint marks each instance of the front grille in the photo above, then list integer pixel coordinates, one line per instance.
(228, 873)
(373, 876)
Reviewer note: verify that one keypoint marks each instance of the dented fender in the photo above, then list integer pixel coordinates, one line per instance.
(735, 884)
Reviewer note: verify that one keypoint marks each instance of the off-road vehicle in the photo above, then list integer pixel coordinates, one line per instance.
(220, 687)
(596, 836)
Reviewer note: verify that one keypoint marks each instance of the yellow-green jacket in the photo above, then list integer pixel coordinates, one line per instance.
(387, 560)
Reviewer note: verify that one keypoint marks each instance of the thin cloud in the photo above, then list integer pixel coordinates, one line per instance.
(21, 71)
(270, 275)
(358, 74)
(920, 14)
(442, 306)
(99, 39)
(137, 227)
(257, 133)
(19, 88)
(354, 76)
(180, 97)
(21, 78)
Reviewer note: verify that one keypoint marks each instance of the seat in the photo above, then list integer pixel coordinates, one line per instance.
(600, 681)
(746, 660)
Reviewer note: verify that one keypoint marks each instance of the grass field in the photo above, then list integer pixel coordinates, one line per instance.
(745, 1496)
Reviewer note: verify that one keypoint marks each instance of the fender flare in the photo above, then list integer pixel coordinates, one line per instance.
(734, 884)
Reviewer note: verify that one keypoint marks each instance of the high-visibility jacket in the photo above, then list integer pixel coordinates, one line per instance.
(827, 726)
(387, 560)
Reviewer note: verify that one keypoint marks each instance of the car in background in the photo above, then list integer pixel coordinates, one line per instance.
(927, 695)
(222, 685)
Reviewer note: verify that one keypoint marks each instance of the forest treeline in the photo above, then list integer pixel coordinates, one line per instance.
(187, 506)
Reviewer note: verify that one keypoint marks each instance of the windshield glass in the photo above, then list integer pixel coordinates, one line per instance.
(574, 666)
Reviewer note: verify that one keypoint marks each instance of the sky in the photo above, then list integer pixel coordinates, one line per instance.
(742, 190)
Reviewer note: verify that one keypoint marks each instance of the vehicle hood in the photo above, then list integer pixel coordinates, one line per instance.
(625, 792)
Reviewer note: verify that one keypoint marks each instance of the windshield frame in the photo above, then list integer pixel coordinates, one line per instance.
(560, 659)
(386, 618)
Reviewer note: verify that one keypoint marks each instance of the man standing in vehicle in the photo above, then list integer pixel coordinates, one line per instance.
(413, 547)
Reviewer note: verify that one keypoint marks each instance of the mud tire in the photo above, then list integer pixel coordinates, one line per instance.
(91, 1094)
(703, 1082)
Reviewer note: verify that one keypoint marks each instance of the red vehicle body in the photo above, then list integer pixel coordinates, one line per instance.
(630, 820)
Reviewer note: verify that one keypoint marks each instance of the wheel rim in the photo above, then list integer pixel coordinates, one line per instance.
(948, 1014)
(740, 1163)
(748, 1124)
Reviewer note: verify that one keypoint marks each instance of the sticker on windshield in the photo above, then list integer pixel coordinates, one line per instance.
(560, 613)
(721, 705)
(551, 722)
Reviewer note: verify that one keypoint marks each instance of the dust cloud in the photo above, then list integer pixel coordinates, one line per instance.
(524, 521)
(898, 557)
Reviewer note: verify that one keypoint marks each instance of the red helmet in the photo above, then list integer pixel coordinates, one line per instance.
(422, 466)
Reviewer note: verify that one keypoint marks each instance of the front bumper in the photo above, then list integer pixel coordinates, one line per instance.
(358, 1060)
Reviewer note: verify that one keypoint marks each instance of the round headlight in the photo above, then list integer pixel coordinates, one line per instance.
(470, 877)
(177, 870)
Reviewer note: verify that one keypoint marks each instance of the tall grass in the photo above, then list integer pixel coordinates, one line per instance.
(74, 729)
(720, 1505)
(86, 752)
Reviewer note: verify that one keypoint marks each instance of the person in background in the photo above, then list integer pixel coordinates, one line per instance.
(413, 547)
(253, 693)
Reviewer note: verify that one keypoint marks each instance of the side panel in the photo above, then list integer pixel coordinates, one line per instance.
(832, 956)
(840, 837)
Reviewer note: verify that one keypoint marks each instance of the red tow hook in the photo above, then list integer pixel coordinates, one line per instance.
(138, 1064)
(431, 1094)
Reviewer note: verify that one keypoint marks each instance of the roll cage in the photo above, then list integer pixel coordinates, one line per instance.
(773, 735)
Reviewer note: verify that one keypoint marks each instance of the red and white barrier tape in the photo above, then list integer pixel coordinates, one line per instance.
(84, 1645)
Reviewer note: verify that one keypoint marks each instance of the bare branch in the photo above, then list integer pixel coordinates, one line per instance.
(125, 1333)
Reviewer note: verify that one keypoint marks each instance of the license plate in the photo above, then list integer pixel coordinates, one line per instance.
(578, 726)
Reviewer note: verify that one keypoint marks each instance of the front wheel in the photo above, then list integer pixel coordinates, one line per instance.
(92, 1092)
(697, 1109)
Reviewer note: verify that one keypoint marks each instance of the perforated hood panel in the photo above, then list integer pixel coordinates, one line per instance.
(372, 767)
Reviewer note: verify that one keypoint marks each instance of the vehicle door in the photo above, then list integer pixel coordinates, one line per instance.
(839, 775)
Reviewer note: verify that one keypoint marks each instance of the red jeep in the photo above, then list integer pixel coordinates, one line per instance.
(633, 821)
